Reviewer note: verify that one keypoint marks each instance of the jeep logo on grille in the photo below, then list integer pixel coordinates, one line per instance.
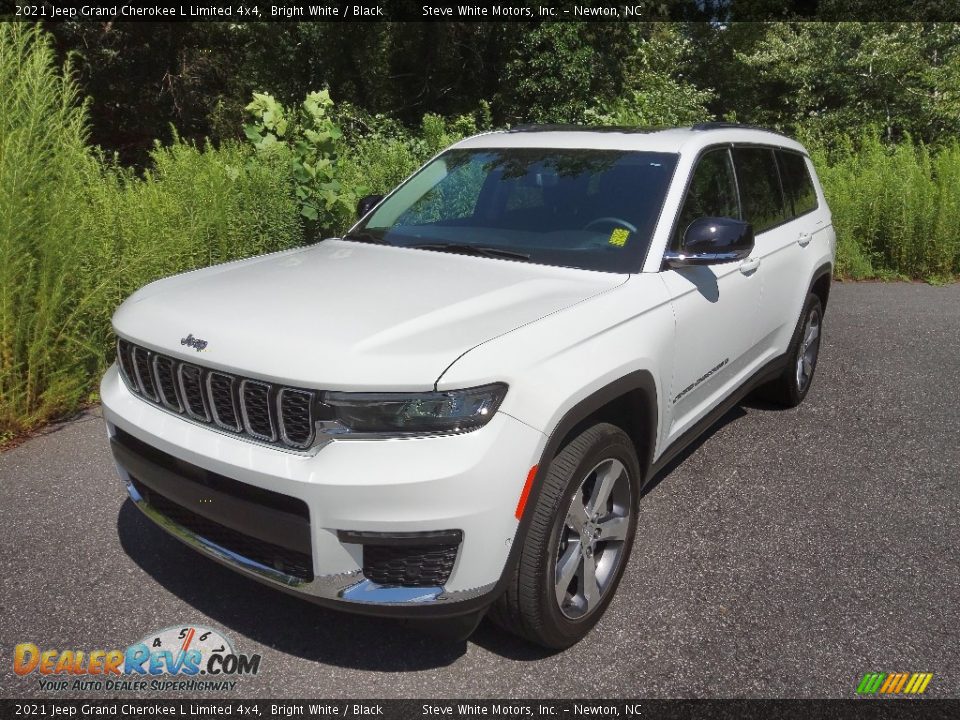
(191, 341)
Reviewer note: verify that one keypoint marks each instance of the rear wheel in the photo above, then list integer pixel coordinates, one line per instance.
(793, 384)
(578, 543)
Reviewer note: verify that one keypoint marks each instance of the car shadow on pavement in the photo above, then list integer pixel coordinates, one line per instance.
(732, 415)
(270, 617)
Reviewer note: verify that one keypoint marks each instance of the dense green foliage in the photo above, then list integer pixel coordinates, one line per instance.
(309, 139)
(78, 233)
(896, 209)
(304, 119)
(824, 77)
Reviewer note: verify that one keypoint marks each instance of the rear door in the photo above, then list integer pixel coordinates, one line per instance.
(715, 306)
(776, 192)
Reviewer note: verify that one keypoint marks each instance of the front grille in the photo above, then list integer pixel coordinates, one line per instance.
(258, 410)
(409, 565)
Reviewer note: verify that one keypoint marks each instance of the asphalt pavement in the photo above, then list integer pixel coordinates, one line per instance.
(784, 555)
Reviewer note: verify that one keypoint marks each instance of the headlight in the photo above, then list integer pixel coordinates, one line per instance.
(405, 414)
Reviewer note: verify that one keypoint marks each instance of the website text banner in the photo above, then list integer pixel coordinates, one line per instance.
(509, 709)
(516, 11)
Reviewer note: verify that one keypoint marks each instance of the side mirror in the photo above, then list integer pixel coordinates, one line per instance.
(367, 204)
(712, 240)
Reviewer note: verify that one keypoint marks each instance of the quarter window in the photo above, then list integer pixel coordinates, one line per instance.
(797, 183)
(712, 192)
(760, 193)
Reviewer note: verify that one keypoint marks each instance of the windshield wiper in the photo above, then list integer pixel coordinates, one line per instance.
(464, 249)
(366, 237)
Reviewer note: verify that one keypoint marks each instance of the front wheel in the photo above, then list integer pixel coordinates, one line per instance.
(579, 540)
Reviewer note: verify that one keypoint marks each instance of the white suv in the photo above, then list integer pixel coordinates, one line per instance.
(457, 405)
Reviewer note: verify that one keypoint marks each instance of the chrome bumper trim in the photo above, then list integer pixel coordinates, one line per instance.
(347, 588)
(369, 592)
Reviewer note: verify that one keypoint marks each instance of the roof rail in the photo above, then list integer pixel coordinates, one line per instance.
(721, 125)
(584, 128)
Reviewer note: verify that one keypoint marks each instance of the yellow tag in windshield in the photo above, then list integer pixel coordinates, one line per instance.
(619, 237)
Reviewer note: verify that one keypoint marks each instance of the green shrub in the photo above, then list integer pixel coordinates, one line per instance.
(43, 161)
(333, 167)
(895, 208)
(307, 138)
(78, 234)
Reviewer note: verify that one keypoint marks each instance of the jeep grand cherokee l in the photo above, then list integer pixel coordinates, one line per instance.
(456, 406)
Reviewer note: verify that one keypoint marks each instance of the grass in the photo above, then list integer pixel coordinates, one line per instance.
(78, 233)
(896, 209)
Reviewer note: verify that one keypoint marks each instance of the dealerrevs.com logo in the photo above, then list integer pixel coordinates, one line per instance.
(188, 658)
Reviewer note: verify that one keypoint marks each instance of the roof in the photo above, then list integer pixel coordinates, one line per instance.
(674, 140)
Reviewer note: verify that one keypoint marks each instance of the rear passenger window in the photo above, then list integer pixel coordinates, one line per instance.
(759, 181)
(712, 192)
(797, 183)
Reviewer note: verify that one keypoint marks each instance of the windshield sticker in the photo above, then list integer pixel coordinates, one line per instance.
(619, 237)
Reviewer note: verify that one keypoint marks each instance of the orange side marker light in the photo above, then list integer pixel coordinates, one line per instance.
(526, 491)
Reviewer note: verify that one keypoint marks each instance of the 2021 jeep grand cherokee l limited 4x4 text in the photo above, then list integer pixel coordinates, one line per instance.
(457, 405)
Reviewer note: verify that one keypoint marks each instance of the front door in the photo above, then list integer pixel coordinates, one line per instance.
(715, 306)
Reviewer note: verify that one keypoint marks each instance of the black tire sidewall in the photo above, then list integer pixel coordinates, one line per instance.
(612, 443)
(797, 394)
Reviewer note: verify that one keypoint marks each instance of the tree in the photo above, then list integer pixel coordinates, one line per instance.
(657, 90)
(829, 78)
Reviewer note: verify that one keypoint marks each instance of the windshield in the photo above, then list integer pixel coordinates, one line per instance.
(590, 209)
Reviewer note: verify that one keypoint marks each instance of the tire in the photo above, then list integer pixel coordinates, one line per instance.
(531, 607)
(791, 387)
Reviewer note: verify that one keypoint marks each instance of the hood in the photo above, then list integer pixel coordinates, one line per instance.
(348, 315)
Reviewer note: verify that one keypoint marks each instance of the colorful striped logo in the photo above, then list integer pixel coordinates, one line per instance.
(894, 683)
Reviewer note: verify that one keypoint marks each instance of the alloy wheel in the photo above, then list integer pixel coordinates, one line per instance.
(592, 539)
(808, 350)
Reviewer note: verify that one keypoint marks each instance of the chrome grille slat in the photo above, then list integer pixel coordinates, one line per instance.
(164, 374)
(296, 426)
(190, 378)
(125, 362)
(144, 372)
(222, 396)
(256, 410)
(261, 411)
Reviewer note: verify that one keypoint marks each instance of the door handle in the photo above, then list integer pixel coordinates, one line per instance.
(749, 265)
(804, 239)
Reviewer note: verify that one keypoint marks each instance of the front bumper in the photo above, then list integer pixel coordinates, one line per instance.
(468, 482)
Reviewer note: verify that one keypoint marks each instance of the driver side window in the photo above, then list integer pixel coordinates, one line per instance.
(712, 192)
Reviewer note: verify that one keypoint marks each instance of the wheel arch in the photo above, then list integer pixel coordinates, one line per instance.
(820, 284)
(629, 402)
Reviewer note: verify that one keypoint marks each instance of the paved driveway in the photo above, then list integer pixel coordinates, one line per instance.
(786, 554)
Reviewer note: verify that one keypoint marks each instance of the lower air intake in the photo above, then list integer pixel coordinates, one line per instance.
(409, 565)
